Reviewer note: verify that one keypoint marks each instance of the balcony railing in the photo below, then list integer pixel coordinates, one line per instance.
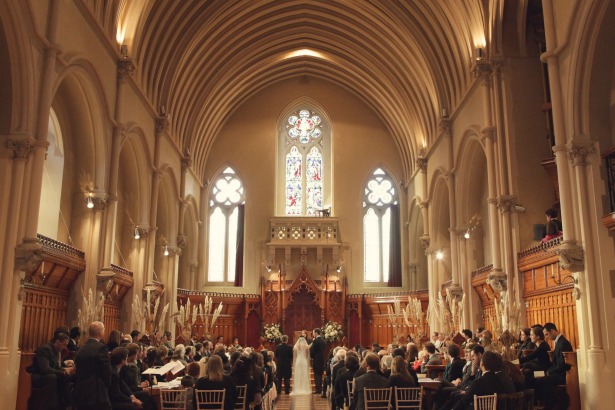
(304, 230)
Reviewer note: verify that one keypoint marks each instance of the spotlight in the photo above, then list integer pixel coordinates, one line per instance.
(339, 269)
(467, 235)
(268, 267)
(137, 234)
(439, 255)
(166, 251)
(89, 202)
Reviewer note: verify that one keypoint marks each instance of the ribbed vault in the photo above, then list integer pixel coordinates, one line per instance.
(201, 59)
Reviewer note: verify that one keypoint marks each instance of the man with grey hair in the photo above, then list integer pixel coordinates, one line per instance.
(284, 358)
(93, 375)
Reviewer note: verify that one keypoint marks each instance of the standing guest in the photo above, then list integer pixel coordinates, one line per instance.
(198, 351)
(556, 373)
(216, 380)
(371, 380)
(48, 374)
(236, 343)
(317, 353)
(93, 372)
(120, 395)
(525, 343)
(114, 340)
(284, 355)
(375, 347)
(467, 334)
(73, 341)
(220, 340)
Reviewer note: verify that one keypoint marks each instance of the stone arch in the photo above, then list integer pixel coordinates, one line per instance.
(440, 223)
(188, 261)
(166, 227)
(417, 258)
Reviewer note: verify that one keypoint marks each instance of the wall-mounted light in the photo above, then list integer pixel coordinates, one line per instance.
(339, 269)
(137, 233)
(467, 235)
(444, 113)
(124, 50)
(89, 203)
(479, 53)
(166, 251)
(439, 255)
(268, 267)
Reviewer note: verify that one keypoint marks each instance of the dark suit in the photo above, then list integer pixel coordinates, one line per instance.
(454, 369)
(119, 392)
(538, 359)
(370, 380)
(93, 376)
(555, 375)
(226, 384)
(341, 388)
(47, 374)
(488, 383)
(284, 357)
(317, 353)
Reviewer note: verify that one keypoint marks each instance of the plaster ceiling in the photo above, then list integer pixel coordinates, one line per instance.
(406, 59)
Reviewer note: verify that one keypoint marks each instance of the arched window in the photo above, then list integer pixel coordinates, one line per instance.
(304, 164)
(381, 237)
(226, 209)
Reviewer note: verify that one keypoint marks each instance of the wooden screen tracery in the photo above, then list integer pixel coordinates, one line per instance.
(303, 312)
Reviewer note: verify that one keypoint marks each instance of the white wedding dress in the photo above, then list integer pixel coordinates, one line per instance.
(301, 368)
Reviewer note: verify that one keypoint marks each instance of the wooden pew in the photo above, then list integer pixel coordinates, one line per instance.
(572, 380)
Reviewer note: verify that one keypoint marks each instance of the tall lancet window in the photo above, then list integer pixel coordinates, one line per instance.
(226, 221)
(306, 149)
(381, 236)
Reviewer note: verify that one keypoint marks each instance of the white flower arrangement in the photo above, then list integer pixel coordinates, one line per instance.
(332, 331)
(272, 332)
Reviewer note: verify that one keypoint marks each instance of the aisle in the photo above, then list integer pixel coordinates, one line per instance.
(313, 402)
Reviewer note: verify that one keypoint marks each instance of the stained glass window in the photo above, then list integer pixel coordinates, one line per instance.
(379, 196)
(304, 164)
(226, 196)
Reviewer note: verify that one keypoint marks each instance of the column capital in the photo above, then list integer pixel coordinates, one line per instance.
(421, 164)
(182, 240)
(162, 123)
(507, 203)
(423, 204)
(445, 126)
(125, 68)
(579, 152)
(425, 241)
(482, 69)
(571, 256)
(99, 200)
(487, 133)
(21, 147)
(28, 255)
(456, 291)
(498, 280)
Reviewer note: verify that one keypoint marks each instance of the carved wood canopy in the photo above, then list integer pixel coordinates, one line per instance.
(302, 284)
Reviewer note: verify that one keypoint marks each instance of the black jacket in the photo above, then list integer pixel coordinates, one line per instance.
(46, 361)
(488, 383)
(559, 366)
(93, 376)
(284, 358)
(317, 353)
(539, 357)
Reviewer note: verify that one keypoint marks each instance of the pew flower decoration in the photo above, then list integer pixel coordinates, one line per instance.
(332, 331)
(272, 332)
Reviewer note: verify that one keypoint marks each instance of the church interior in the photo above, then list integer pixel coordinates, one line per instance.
(217, 167)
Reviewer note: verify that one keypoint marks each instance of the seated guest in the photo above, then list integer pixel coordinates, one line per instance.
(430, 357)
(216, 380)
(131, 375)
(340, 389)
(188, 392)
(556, 373)
(400, 377)
(493, 380)
(48, 374)
(515, 374)
(454, 368)
(449, 392)
(114, 340)
(553, 227)
(467, 334)
(166, 340)
(120, 395)
(135, 335)
(385, 365)
(371, 380)
(525, 343)
(73, 341)
(198, 351)
(242, 377)
(536, 360)
(189, 356)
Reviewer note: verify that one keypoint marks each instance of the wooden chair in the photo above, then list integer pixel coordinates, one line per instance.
(528, 399)
(408, 398)
(512, 401)
(377, 399)
(210, 399)
(349, 397)
(240, 404)
(174, 399)
(488, 402)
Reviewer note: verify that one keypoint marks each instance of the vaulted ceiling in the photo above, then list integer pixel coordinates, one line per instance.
(406, 59)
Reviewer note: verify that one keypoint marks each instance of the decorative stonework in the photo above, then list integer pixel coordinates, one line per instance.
(456, 291)
(571, 256)
(445, 126)
(421, 163)
(162, 123)
(22, 148)
(423, 204)
(425, 242)
(579, 154)
(482, 69)
(186, 163)
(125, 68)
(28, 255)
(487, 133)
(498, 280)
(507, 203)
(99, 201)
(181, 241)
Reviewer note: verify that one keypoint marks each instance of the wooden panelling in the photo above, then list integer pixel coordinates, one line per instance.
(112, 316)
(43, 310)
(557, 307)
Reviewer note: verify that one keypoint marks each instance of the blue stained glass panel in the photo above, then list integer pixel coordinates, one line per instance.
(313, 177)
(293, 182)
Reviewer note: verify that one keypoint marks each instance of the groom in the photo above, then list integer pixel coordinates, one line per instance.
(317, 353)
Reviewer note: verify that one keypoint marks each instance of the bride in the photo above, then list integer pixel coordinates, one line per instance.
(301, 368)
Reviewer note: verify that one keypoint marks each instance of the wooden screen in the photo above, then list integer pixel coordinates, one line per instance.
(43, 310)
(111, 313)
(302, 313)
